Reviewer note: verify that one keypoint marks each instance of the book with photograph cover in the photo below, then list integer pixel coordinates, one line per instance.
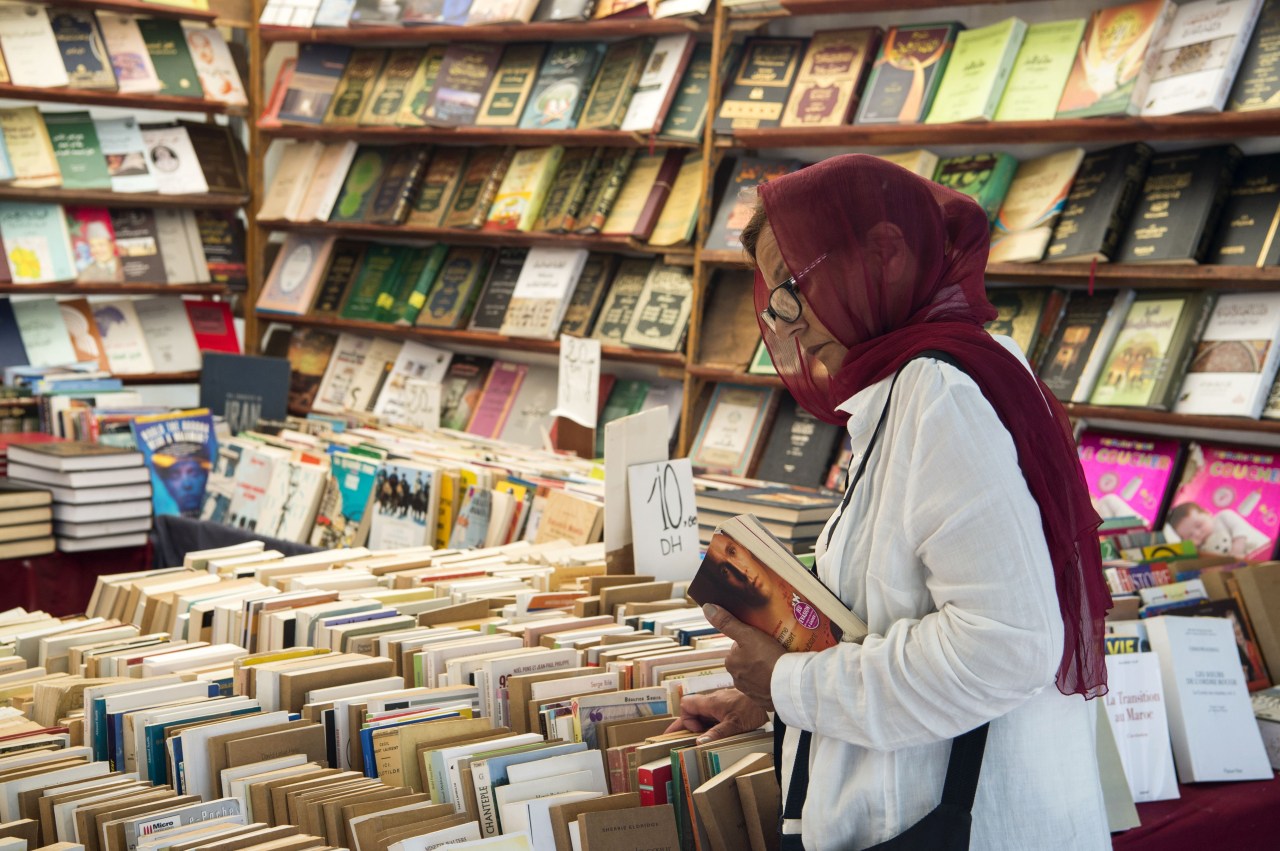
(1128, 475)
(1228, 502)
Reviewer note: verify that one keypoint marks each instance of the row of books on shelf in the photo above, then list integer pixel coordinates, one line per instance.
(1124, 204)
(613, 192)
(48, 47)
(371, 13)
(651, 86)
(536, 293)
(74, 150)
(1148, 58)
(118, 336)
(55, 244)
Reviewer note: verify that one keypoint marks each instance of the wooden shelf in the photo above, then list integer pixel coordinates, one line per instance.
(794, 8)
(537, 31)
(73, 288)
(1164, 418)
(467, 136)
(1226, 126)
(473, 338)
(137, 7)
(105, 198)
(97, 97)
(161, 378)
(504, 239)
(730, 376)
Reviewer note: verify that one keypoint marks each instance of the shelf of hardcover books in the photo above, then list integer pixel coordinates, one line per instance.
(132, 200)
(470, 136)
(89, 289)
(607, 28)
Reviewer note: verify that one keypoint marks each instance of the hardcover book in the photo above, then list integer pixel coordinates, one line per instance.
(661, 314)
(1149, 357)
(687, 114)
(357, 191)
(93, 245)
(455, 289)
(416, 363)
(678, 221)
(799, 448)
(561, 87)
(524, 188)
(393, 195)
(541, 294)
(580, 315)
(1019, 315)
(615, 84)
(1075, 354)
(656, 88)
(620, 302)
(138, 246)
(1129, 476)
(505, 100)
(220, 156)
(214, 66)
(1036, 197)
(830, 77)
(615, 163)
(757, 92)
(1100, 204)
(980, 64)
(1200, 56)
(84, 54)
(380, 266)
(391, 89)
(1256, 85)
(1040, 71)
(1251, 218)
(130, 62)
(906, 73)
(439, 184)
(1116, 60)
(734, 211)
(732, 431)
(411, 295)
(167, 46)
(492, 305)
(1181, 203)
(1236, 359)
(486, 168)
(295, 278)
(463, 78)
(413, 113)
(643, 194)
(213, 325)
(983, 177)
(921, 162)
(344, 260)
(79, 153)
(314, 81)
(568, 190)
(355, 87)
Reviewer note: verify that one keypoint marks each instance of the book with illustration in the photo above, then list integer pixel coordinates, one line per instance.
(178, 448)
(1228, 502)
(1129, 476)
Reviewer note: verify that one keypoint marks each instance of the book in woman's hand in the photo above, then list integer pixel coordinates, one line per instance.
(751, 574)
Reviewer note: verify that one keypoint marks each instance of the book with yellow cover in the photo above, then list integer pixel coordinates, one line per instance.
(35, 165)
(1036, 197)
(835, 64)
(524, 188)
(355, 87)
(391, 89)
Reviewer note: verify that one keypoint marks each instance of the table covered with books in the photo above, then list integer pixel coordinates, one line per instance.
(1235, 816)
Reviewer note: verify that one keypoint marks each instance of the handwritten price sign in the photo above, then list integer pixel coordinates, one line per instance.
(578, 393)
(664, 519)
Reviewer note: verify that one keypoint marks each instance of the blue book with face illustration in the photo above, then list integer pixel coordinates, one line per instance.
(178, 448)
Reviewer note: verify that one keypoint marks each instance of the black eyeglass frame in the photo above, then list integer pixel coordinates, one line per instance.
(771, 314)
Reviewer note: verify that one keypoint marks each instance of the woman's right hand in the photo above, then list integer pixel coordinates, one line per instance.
(718, 715)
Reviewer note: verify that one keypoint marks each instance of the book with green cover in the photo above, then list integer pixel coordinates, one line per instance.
(79, 153)
(561, 87)
(413, 111)
(456, 288)
(406, 312)
(976, 75)
(687, 115)
(615, 83)
(983, 177)
(380, 267)
(568, 189)
(392, 87)
(355, 87)
(358, 189)
(626, 398)
(395, 294)
(167, 45)
(1040, 72)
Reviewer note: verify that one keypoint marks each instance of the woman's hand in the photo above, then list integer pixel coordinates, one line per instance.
(753, 657)
(718, 715)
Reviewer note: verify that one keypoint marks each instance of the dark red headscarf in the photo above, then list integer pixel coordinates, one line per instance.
(893, 265)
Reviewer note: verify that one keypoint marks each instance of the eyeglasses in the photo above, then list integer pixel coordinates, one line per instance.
(784, 304)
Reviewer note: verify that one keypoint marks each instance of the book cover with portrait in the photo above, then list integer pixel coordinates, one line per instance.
(1228, 502)
(178, 448)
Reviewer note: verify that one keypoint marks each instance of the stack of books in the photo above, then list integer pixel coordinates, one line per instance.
(795, 518)
(24, 437)
(101, 494)
(25, 521)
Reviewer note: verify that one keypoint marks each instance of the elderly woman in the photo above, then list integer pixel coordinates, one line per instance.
(966, 540)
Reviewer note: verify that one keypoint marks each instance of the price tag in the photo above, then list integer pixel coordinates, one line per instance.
(664, 519)
(419, 404)
(578, 394)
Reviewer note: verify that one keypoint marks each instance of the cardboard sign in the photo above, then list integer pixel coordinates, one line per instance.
(664, 519)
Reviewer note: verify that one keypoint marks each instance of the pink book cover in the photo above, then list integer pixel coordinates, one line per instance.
(1229, 501)
(497, 398)
(1129, 475)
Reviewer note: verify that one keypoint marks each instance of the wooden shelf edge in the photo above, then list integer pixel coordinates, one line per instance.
(730, 376)
(534, 31)
(73, 288)
(471, 338)
(106, 198)
(470, 136)
(1166, 418)
(799, 8)
(136, 7)
(98, 97)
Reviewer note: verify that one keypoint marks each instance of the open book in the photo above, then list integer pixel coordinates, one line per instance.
(750, 573)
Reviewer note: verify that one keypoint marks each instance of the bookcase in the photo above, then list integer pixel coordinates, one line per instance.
(232, 14)
(1255, 132)
(669, 365)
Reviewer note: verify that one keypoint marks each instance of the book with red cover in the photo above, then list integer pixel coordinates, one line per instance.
(748, 572)
(271, 115)
(496, 399)
(658, 195)
(214, 328)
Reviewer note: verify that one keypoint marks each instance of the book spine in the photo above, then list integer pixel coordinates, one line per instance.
(1222, 190)
(599, 213)
(658, 195)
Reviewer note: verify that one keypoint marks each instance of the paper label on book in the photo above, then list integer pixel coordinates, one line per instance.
(664, 519)
(578, 391)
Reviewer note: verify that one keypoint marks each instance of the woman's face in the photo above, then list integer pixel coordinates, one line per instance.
(813, 337)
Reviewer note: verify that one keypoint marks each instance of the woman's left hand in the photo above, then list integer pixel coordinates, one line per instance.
(753, 657)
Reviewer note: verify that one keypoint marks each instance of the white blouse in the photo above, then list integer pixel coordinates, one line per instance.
(944, 557)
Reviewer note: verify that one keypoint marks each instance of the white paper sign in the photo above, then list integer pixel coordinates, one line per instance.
(1136, 710)
(637, 439)
(664, 519)
(419, 404)
(578, 393)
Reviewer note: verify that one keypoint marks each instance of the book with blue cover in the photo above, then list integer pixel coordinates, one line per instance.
(179, 449)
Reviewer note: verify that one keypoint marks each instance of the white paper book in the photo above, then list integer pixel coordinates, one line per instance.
(1136, 711)
(253, 475)
(135, 73)
(339, 376)
(369, 378)
(175, 248)
(168, 333)
(296, 164)
(542, 291)
(1200, 56)
(30, 49)
(44, 334)
(122, 337)
(214, 66)
(666, 63)
(1211, 720)
(1236, 359)
(174, 160)
(126, 153)
(325, 184)
(289, 505)
(416, 362)
(446, 837)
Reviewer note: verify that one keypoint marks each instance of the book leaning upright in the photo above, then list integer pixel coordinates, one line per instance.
(751, 574)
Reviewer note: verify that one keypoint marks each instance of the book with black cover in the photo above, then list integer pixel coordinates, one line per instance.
(758, 89)
(492, 305)
(588, 294)
(244, 389)
(1068, 352)
(343, 263)
(1182, 200)
(1257, 85)
(392, 199)
(1103, 195)
(1250, 220)
(799, 448)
